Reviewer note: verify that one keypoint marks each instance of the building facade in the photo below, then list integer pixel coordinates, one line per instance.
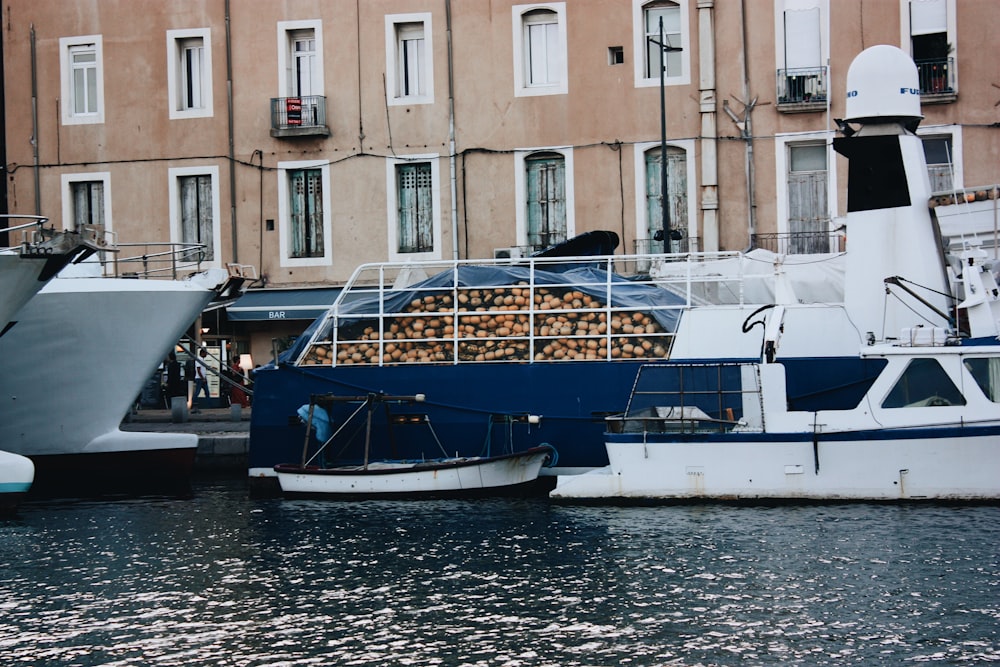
(305, 137)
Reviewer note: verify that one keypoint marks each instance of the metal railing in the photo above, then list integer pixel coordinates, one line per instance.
(155, 260)
(295, 113)
(507, 311)
(799, 243)
(936, 76)
(802, 85)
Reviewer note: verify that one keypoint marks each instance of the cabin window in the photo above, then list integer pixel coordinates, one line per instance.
(986, 372)
(415, 190)
(924, 383)
(545, 178)
(677, 202)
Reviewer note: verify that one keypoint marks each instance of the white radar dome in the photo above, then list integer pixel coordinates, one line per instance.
(882, 82)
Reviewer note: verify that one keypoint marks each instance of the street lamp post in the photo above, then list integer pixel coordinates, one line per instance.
(664, 212)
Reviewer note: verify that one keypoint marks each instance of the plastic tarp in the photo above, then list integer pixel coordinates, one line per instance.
(660, 304)
(754, 278)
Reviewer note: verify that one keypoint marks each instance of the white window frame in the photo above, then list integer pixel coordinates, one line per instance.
(781, 165)
(286, 30)
(639, 152)
(955, 132)
(639, 47)
(392, 59)
(522, 86)
(284, 212)
(177, 40)
(392, 201)
(66, 180)
(521, 190)
(782, 6)
(66, 47)
(174, 209)
(906, 30)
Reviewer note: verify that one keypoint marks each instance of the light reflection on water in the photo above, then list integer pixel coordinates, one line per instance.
(220, 579)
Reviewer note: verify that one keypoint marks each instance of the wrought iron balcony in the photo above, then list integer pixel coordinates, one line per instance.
(937, 78)
(655, 245)
(800, 243)
(802, 89)
(299, 117)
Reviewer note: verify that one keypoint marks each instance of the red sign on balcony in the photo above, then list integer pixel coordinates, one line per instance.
(293, 110)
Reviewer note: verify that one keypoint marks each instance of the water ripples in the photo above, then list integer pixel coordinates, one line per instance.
(223, 580)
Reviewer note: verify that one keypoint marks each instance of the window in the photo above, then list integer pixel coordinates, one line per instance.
(938, 153)
(931, 37)
(808, 209)
(677, 200)
(82, 80)
(189, 73)
(194, 210)
(300, 70)
(409, 75)
(86, 200)
(676, 57)
(924, 383)
(802, 51)
(987, 375)
(305, 198)
(88, 203)
(413, 207)
(540, 49)
(545, 176)
(410, 66)
(304, 209)
(616, 55)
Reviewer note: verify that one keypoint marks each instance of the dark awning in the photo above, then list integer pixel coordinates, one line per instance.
(282, 304)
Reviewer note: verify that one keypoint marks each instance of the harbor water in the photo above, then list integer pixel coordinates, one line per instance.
(223, 579)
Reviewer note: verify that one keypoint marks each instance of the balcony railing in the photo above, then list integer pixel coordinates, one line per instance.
(802, 89)
(937, 76)
(800, 243)
(299, 116)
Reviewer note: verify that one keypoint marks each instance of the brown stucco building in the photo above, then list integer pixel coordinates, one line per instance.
(304, 137)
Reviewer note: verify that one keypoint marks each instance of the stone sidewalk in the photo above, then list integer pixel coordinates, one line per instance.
(223, 436)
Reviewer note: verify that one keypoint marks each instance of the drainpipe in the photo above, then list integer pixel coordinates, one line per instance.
(451, 137)
(232, 152)
(34, 125)
(3, 139)
(709, 127)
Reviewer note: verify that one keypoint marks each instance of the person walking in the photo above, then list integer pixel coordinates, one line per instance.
(201, 374)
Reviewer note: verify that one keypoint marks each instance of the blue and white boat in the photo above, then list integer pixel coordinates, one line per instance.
(525, 352)
(918, 418)
(16, 475)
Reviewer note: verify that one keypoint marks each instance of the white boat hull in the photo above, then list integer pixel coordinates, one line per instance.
(444, 478)
(78, 355)
(904, 469)
(16, 475)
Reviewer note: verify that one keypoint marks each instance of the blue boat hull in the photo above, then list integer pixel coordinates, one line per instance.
(482, 409)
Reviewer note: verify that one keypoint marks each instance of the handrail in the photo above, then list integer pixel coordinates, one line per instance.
(175, 258)
(528, 316)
